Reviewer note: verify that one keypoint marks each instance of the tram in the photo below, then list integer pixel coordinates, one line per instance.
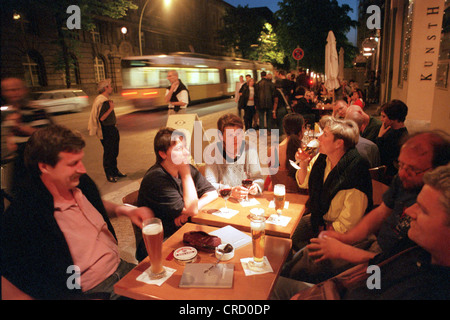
(206, 77)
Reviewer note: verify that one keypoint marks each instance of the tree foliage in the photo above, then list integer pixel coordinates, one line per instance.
(242, 28)
(268, 49)
(306, 23)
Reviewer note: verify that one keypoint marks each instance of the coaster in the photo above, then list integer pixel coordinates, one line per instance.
(144, 277)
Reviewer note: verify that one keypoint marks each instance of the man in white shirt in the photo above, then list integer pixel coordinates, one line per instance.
(177, 95)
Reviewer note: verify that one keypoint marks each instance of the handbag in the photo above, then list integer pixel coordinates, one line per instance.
(201, 240)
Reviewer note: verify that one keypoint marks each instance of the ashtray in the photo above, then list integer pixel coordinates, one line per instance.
(221, 254)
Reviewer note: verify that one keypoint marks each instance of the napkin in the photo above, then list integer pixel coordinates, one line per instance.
(279, 221)
(249, 203)
(224, 213)
(249, 272)
(144, 277)
(272, 204)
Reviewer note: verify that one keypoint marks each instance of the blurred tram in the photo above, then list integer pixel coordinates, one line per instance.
(206, 77)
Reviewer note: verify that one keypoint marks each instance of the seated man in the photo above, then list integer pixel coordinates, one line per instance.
(335, 252)
(421, 272)
(233, 159)
(57, 241)
(371, 125)
(366, 148)
(340, 109)
(173, 188)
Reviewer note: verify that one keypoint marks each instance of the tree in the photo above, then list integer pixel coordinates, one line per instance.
(242, 28)
(268, 49)
(306, 23)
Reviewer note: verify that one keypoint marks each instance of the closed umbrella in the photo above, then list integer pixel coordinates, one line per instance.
(331, 63)
(341, 64)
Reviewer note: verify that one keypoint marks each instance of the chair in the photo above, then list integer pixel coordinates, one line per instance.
(131, 198)
(378, 173)
(378, 189)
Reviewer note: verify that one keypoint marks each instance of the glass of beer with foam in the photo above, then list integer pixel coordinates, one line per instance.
(258, 225)
(153, 234)
(279, 194)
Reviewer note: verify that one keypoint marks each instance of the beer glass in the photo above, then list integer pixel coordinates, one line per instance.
(279, 193)
(258, 225)
(153, 234)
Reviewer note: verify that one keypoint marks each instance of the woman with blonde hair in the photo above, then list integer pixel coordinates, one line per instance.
(338, 181)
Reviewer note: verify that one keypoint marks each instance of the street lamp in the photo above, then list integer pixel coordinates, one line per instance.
(166, 2)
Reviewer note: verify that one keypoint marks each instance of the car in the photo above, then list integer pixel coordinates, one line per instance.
(63, 100)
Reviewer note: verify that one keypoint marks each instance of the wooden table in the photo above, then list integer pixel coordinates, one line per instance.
(255, 287)
(240, 220)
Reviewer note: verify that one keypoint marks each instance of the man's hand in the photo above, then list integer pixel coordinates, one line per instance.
(137, 215)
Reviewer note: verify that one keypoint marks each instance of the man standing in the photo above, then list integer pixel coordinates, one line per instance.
(102, 122)
(265, 91)
(173, 188)
(21, 121)
(57, 241)
(177, 95)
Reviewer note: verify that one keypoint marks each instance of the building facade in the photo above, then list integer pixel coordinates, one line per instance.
(31, 49)
(416, 57)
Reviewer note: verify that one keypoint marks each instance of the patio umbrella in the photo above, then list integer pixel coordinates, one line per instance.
(331, 63)
(341, 64)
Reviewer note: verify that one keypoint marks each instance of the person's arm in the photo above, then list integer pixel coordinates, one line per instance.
(369, 224)
(190, 197)
(107, 108)
(325, 247)
(207, 198)
(137, 215)
(11, 292)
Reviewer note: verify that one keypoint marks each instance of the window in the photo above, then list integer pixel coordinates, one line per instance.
(33, 69)
(99, 69)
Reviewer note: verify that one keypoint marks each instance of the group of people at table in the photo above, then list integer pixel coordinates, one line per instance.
(59, 219)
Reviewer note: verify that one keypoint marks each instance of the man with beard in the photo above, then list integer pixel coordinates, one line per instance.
(333, 252)
(57, 241)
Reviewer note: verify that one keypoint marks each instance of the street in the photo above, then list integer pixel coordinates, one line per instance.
(137, 131)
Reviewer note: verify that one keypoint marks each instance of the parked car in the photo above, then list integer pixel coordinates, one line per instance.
(61, 100)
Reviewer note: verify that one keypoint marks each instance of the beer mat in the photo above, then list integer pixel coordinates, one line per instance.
(272, 204)
(249, 203)
(144, 276)
(219, 276)
(250, 272)
(225, 213)
(279, 221)
(233, 236)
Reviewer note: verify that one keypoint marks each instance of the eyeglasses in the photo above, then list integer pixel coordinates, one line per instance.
(409, 169)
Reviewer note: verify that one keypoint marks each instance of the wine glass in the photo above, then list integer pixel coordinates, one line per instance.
(247, 183)
(225, 193)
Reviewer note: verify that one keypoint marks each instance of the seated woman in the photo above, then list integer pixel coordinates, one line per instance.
(233, 160)
(338, 181)
(282, 171)
(357, 98)
(391, 134)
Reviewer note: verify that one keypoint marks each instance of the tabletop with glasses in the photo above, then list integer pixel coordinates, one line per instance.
(289, 216)
(244, 286)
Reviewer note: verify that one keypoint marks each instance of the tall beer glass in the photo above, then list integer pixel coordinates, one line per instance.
(258, 225)
(279, 193)
(153, 234)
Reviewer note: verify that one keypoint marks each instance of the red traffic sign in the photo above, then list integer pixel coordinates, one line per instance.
(298, 54)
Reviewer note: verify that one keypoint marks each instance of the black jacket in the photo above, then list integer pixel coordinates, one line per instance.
(34, 252)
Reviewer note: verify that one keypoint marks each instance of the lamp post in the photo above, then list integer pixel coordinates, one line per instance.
(166, 2)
